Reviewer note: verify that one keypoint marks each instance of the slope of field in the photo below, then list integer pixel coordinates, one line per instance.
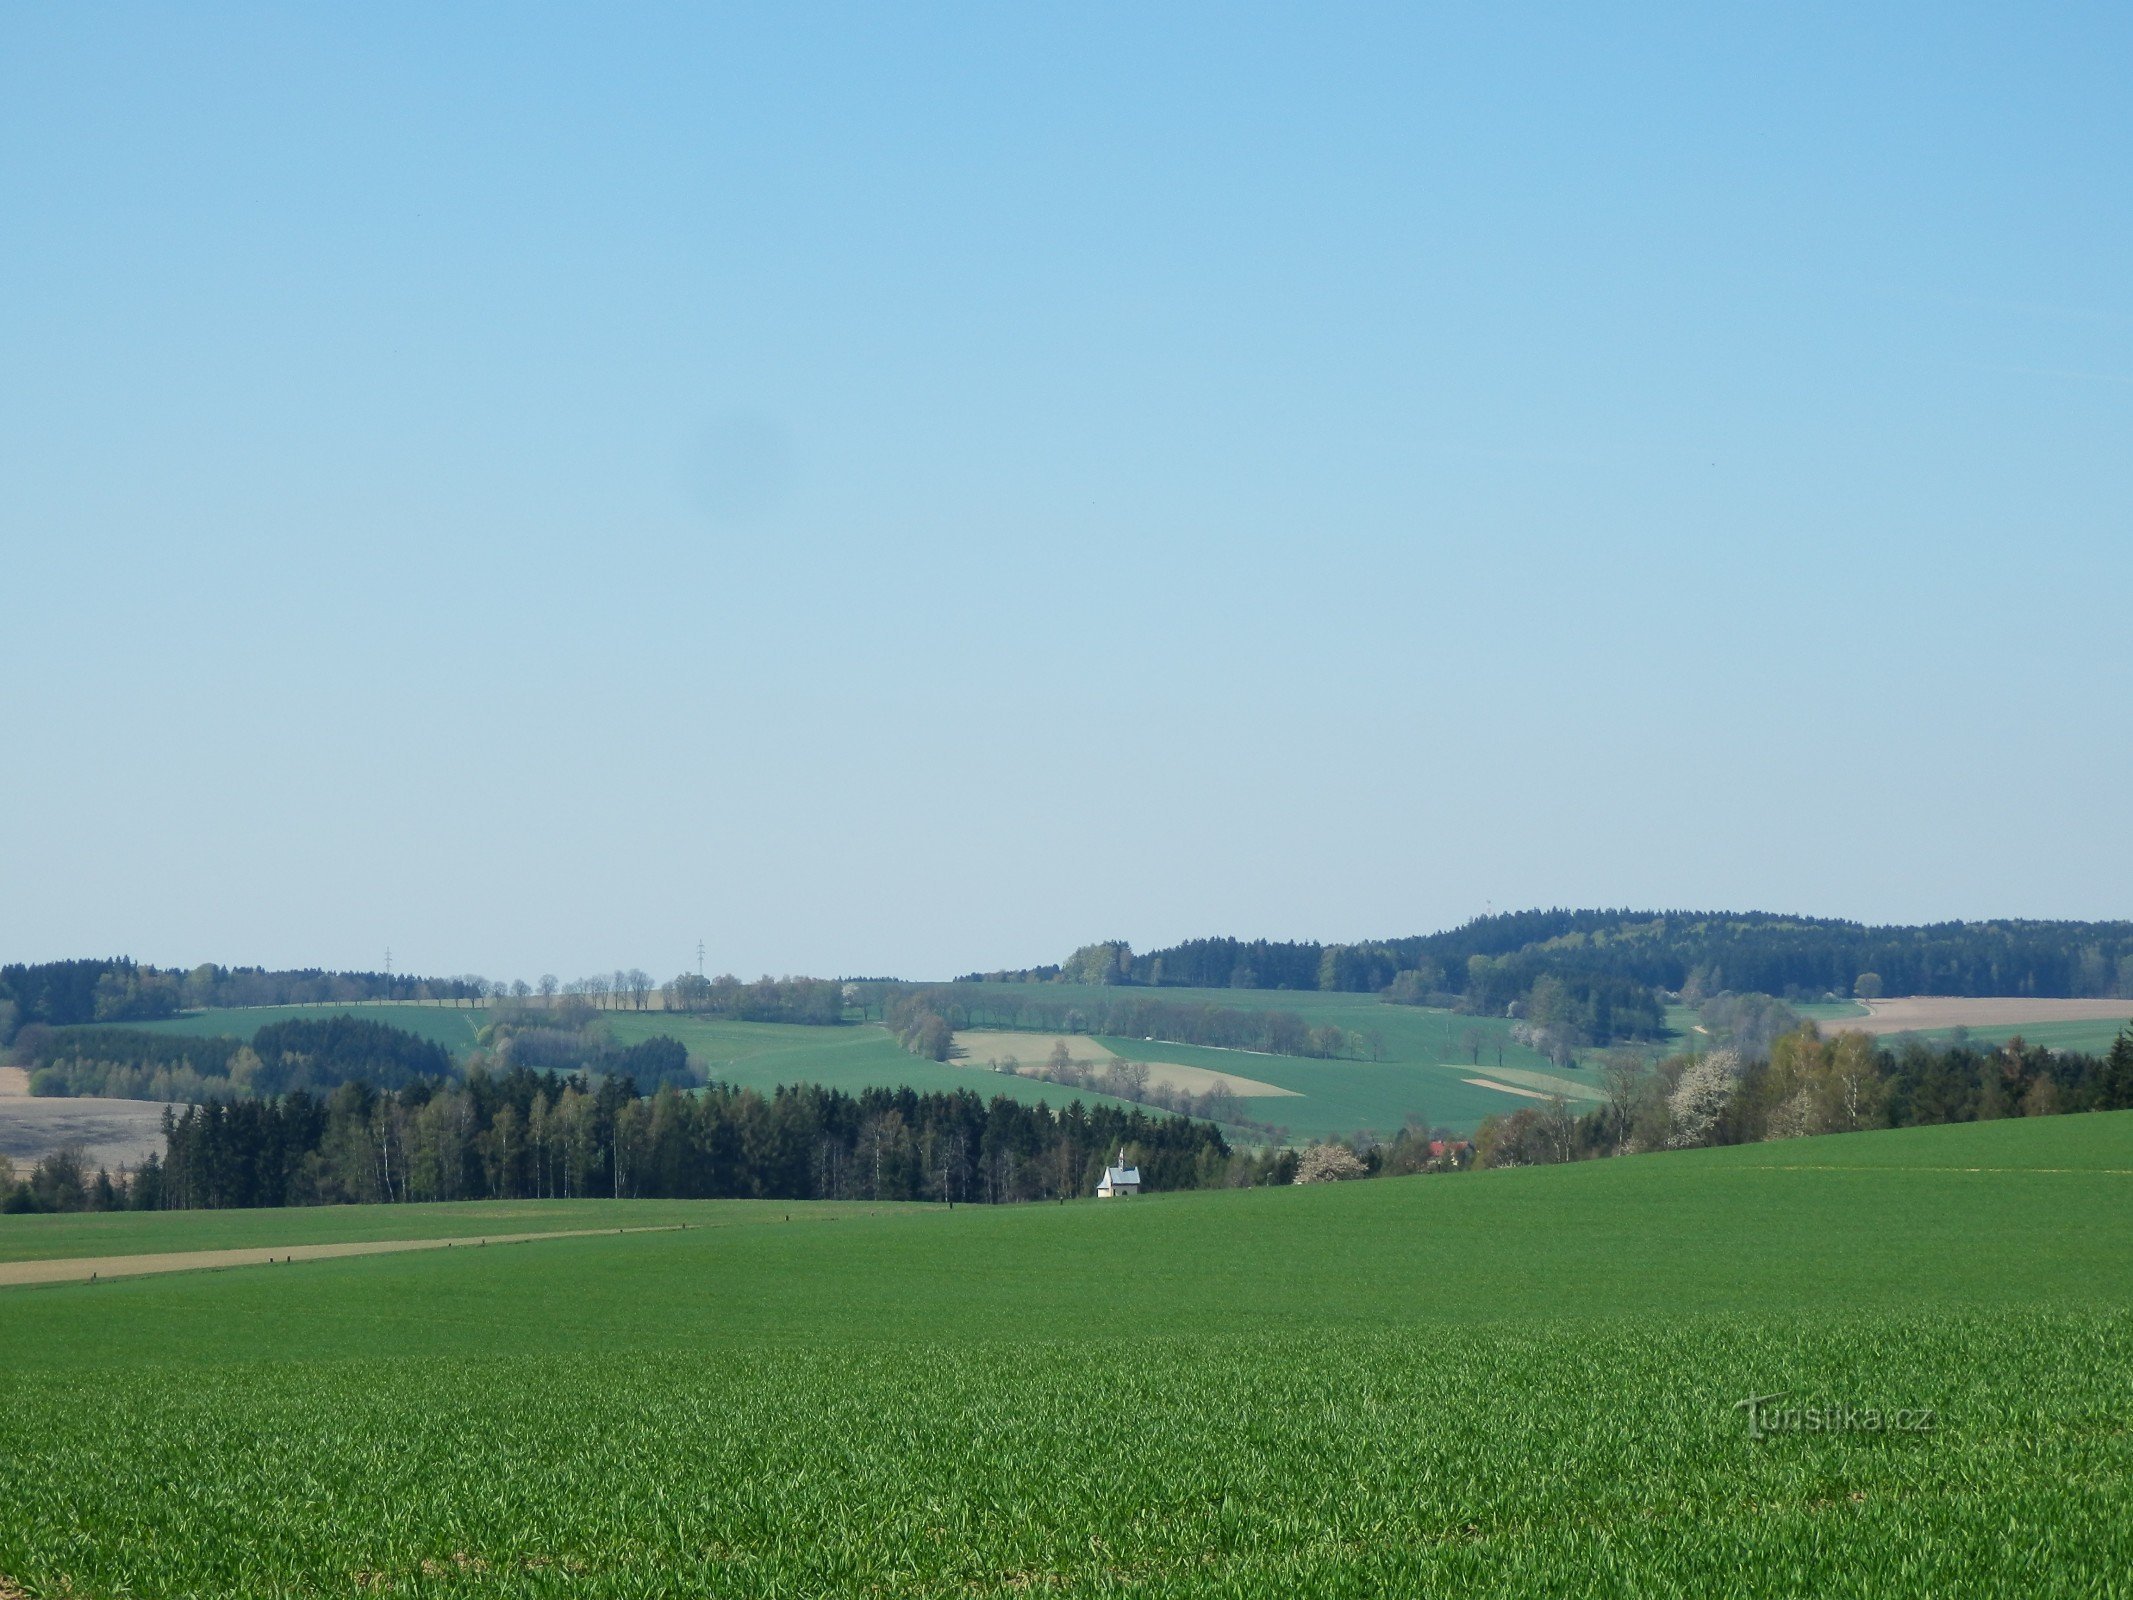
(1335, 1098)
(1026, 1052)
(1509, 1383)
(1409, 1033)
(1426, 1059)
(763, 1055)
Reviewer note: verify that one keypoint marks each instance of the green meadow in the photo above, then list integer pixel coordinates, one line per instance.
(1502, 1383)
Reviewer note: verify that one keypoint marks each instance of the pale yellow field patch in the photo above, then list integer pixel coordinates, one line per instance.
(1920, 1013)
(1505, 1088)
(1546, 1082)
(987, 1047)
(14, 1081)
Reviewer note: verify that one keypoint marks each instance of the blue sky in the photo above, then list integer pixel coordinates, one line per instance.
(897, 489)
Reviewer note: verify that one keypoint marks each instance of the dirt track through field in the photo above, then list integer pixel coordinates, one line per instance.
(81, 1269)
(1490, 1083)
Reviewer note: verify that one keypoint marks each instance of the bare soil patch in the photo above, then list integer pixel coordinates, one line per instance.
(1505, 1088)
(82, 1268)
(115, 1133)
(1921, 1013)
(984, 1048)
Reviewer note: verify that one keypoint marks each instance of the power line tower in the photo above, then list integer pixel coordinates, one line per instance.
(699, 958)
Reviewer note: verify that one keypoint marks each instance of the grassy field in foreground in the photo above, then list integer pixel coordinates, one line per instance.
(1504, 1383)
(59, 1237)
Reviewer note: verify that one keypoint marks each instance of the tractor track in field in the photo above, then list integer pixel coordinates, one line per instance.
(87, 1269)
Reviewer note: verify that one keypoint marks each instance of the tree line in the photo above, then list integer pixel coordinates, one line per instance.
(119, 990)
(818, 1002)
(1808, 1085)
(116, 989)
(1701, 952)
(526, 1135)
(301, 1053)
(319, 1054)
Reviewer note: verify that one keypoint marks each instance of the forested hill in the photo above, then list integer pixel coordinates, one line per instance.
(1497, 958)
(115, 989)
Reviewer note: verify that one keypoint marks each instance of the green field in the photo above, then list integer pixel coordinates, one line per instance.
(64, 1236)
(1420, 1074)
(1503, 1383)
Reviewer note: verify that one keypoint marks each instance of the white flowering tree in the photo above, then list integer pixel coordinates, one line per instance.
(1330, 1163)
(1700, 1099)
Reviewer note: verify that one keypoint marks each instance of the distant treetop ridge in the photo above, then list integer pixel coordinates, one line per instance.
(1497, 958)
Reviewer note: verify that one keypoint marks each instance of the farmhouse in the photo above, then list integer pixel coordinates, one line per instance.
(1119, 1179)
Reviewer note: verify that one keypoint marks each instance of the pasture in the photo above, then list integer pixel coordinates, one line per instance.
(1504, 1383)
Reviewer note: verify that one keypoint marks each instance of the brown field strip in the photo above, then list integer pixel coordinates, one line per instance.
(1923, 1013)
(81, 1269)
(1490, 1083)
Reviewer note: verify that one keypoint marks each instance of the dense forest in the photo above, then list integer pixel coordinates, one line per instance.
(133, 1064)
(522, 1134)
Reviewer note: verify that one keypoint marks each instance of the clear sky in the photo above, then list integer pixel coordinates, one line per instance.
(894, 489)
